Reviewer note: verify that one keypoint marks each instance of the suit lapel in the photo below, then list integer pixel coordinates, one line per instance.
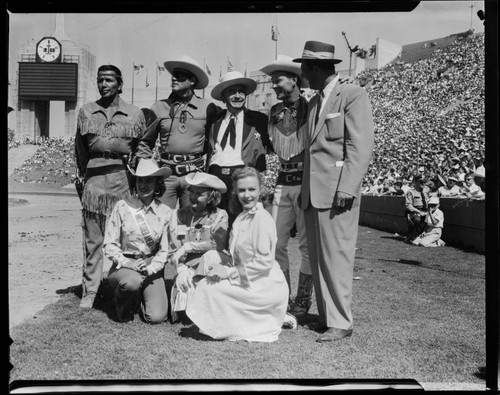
(329, 105)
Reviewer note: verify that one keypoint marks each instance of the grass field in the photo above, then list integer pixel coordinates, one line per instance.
(419, 314)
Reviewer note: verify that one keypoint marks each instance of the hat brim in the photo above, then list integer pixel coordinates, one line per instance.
(163, 172)
(198, 72)
(300, 60)
(212, 182)
(272, 68)
(248, 83)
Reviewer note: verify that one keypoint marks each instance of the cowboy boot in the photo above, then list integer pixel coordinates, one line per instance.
(287, 278)
(302, 302)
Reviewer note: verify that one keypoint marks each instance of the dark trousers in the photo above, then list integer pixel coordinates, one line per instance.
(225, 173)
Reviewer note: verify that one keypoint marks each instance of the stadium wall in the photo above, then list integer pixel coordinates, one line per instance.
(464, 219)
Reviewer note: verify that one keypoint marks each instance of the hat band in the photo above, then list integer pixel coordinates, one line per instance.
(317, 55)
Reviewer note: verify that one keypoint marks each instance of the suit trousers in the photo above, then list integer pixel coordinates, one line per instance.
(131, 288)
(332, 235)
(286, 212)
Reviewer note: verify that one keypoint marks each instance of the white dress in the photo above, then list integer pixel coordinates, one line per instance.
(251, 304)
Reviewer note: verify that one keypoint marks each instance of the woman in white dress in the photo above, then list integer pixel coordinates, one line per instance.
(244, 296)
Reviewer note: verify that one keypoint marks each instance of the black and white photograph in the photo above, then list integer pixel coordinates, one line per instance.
(259, 197)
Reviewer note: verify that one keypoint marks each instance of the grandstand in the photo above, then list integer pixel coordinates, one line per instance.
(428, 107)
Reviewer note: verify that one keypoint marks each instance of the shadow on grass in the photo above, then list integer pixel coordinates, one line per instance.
(481, 373)
(194, 333)
(74, 289)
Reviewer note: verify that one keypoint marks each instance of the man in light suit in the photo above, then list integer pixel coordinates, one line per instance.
(338, 151)
(238, 137)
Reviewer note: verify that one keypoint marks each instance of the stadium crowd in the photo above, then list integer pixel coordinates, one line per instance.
(429, 117)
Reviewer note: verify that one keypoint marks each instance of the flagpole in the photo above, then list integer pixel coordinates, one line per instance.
(133, 72)
(156, 88)
(205, 70)
(276, 42)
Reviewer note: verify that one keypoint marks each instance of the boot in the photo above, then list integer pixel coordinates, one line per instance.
(302, 302)
(287, 278)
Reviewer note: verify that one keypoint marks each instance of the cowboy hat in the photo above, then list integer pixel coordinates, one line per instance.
(316, 50)
(285, 63)
(230, 79)
(149, 168)
(189, 64)
(480, 172)
(205, 180)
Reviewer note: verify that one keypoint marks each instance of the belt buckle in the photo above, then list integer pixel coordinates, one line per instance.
(225, 170)
(106, 154)
(174, 158)
(288, 178)
(178, 169)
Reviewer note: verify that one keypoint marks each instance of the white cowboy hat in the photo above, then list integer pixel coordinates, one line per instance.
(285, 63)
(149, 168)
(480, 172)
(230, 79)
(189, 64)
(206, 180)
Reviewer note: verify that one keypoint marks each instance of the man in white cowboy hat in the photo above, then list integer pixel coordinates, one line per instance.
(238, 137)
(182, 122)
(288, 132)
(338, 150)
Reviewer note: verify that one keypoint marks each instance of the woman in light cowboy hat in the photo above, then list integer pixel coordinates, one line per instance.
(181, 121)
(194, 230)
(136, 241)
(238, 137)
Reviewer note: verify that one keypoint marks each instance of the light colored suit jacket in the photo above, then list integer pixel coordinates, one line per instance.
(339, 147)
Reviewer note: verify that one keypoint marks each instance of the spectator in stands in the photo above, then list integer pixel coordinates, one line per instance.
(432, 185)
(434, 221)
(398, 188)
(471, 189)
(416, 209)
(450, 189)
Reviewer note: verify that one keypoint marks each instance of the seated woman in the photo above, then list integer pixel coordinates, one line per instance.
(243, 296)
(136, 241)
(194, 230)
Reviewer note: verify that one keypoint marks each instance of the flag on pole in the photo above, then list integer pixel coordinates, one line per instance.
(137, 68)
(274, 33)
(229, 65)
(147, 83)
(245, 70)
(220, 73)
(208, 70)
(161, 69)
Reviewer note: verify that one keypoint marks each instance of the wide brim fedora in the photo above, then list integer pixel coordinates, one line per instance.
(149, 168)
(230, 79)
(206, 180)
(285, 63)
(318, 51)
(189, 64)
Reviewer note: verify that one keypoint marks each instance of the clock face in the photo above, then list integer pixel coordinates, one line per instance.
(48, 49)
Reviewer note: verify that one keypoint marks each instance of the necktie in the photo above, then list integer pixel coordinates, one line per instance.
(318, 107)
(230, 130)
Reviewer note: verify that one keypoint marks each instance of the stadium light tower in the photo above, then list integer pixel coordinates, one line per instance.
(351, 51)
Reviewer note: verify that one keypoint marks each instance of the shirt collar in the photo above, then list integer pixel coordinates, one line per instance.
(123, 107)
(328, 89)
(194, 102)
(153, 206)
(238, 116)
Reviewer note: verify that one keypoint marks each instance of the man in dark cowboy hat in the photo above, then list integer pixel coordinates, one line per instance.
(239, 136)
(338, 149)
(182, 122)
